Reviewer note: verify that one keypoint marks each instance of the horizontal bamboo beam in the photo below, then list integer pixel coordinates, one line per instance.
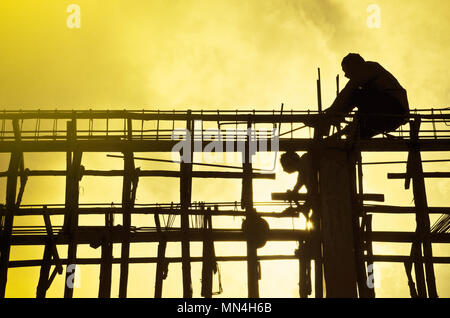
(143, 210)
(425, 175)
(93, 234)
(302, 196)
(144, 173)
(406, 237)
(402, 259)
(388, 209)
(298, 144)
(259, 116)
(170, 116)
(150, 260)
(375, 208)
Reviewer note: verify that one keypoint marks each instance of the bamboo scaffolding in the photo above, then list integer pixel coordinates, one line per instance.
(74, 142)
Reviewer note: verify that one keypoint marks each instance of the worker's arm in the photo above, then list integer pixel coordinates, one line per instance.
(336, 112)
(299, 184)
(342, 104)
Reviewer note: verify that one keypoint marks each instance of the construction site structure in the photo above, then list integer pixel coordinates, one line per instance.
(339, 241)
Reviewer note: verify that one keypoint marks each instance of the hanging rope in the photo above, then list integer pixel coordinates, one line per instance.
(38, 125)
(442, 225)
(142, 125)
(3, 124)
(220, 281)
(107, 123)
(91, 123)
(55, 126)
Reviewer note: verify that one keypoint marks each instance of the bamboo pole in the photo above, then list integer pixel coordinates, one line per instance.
(127, 205)
(198, 259)
(185, 201)
(161, 265)
(316, 245)
(104, 290)
(144, 173)
(11, 206)
(369, 208)
(208, 264)
(247, 204)
(422, 217)
(71, 218)
(106, 144)
(93, 234)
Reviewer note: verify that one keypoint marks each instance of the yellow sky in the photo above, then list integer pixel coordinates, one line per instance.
(214, 54)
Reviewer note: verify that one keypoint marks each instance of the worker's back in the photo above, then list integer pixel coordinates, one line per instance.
(375, 77)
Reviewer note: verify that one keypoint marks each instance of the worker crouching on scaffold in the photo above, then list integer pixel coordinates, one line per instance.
(381, 101)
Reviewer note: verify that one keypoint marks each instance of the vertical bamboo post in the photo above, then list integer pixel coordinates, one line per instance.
(369, 256)
(127, 206)
(208, 254)
(161, 264)
(185, 202)
(303, 253)
(104, 290)
(420, 201)
(7, 221)
(50, 248)
(72, 194)
(316, 236)
(247, 203)
(358, 230)
(319, 92)
(42, 287)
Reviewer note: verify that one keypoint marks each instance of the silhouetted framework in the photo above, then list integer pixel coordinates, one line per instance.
(339, 241)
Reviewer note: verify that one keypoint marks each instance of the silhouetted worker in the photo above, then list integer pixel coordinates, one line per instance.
(292, 162)
(381, 101)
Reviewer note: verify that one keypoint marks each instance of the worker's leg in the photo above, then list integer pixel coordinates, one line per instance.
(379, 113)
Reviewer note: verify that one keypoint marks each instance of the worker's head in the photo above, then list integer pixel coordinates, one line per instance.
(289, 161)
(351, 64)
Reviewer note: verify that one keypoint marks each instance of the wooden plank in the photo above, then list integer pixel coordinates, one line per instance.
(7, 221)
(337, 232)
